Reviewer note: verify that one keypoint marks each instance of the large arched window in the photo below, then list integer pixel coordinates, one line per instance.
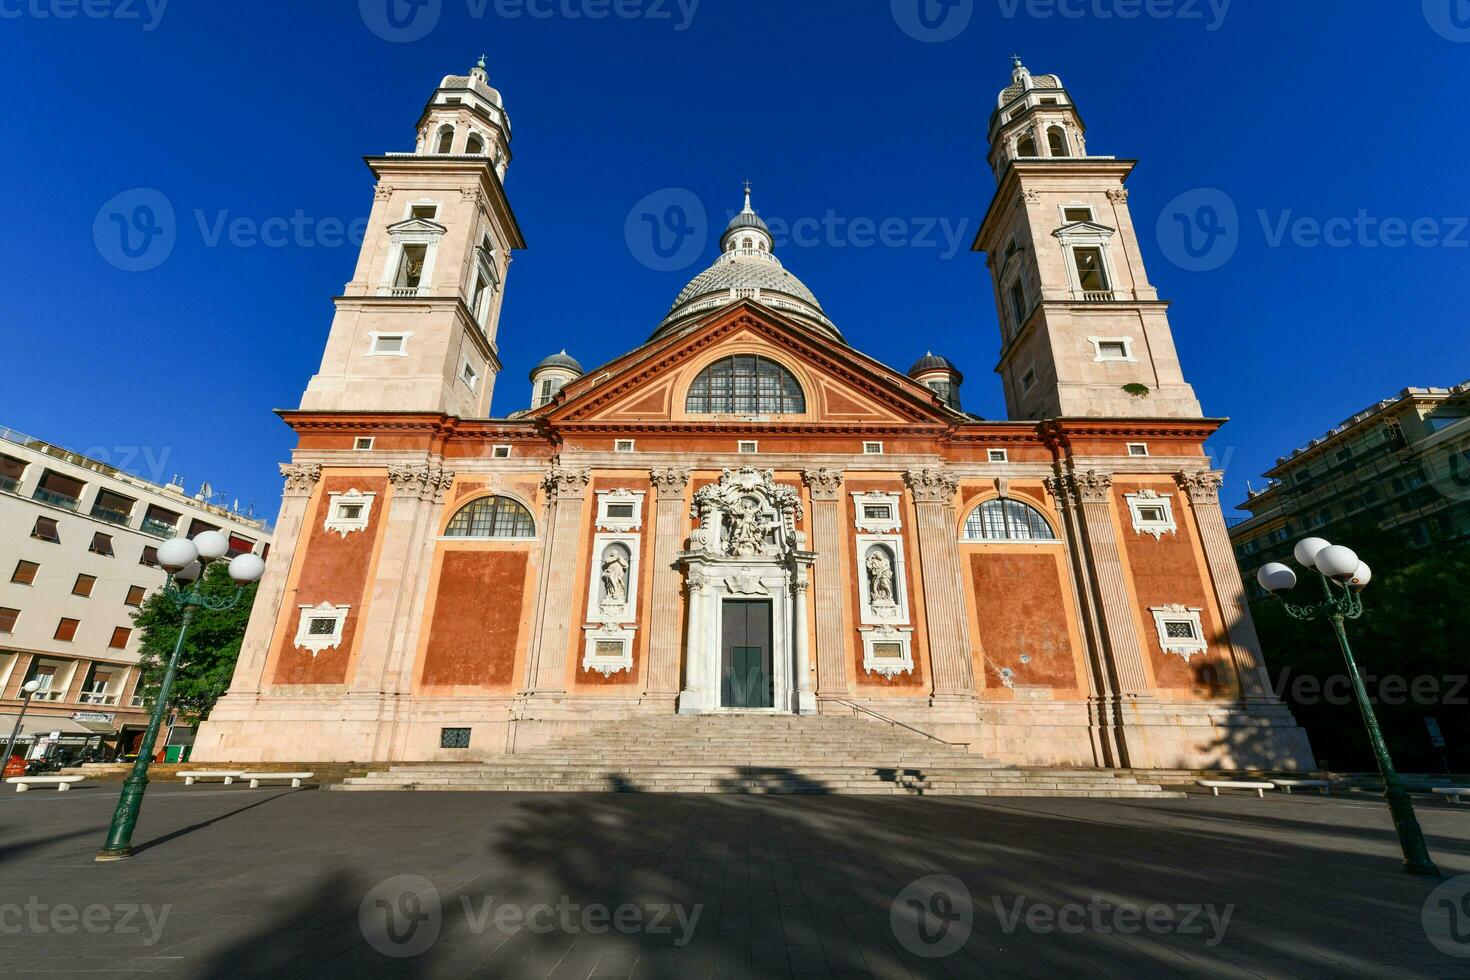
(445, 140)
(1026, 147)
(1007, 520)
(745, 385)
(474, 146)
(1056, 139)
(492, 517)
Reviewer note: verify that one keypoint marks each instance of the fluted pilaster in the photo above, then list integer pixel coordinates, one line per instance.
(669, 533)
(825, 487)
(546, 669)
(933, 491)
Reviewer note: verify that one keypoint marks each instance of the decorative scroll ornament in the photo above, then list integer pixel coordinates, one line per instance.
(566, 483)
(670, 480)
(747, 513)
(745, 583)
(1202, 486)
(823, 483)
(300, 478)
(931, 486)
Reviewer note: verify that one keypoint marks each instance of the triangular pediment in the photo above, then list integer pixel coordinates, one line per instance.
(417, 226)
(840, 386)
(1079, 230)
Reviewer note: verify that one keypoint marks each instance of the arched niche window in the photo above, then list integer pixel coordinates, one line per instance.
(492, 517)
(745, 384)
(1056, 139)
(474, 145)
(1026, 147)
(444, 140)
(1004, 519)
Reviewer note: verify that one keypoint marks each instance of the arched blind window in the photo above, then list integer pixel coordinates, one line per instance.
(745, 385)
(492, 517)
(1007, 520)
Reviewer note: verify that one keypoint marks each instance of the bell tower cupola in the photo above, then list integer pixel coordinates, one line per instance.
(415, 330)
(1083, 332)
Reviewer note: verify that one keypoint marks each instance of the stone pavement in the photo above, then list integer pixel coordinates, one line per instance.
(288, 883)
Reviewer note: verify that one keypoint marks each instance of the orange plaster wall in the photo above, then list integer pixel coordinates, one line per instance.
(329, 568)
(478, 620)
(1023, 611)
(1173, 570)
(852, 568)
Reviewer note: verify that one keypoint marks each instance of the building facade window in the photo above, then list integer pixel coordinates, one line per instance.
(492, 517)
(101, 545)
(1152, 513)
(1092, 277)
(46, 529)
(136, 594)
(66, 629)
(745, 384)
(83, 585)
(8, 618)
(25, 572)
(120, 635)
(1003, 519)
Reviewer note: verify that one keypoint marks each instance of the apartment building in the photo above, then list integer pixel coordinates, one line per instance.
(1403, 463)
(78, 555)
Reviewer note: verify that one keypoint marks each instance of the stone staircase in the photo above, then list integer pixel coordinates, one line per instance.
(814, 754)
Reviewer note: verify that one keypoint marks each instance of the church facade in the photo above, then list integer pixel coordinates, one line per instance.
(746, 513)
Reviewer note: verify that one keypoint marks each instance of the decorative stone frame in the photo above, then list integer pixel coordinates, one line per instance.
(606, 498)
(598, 609)
(889, 667)
(1087, 234)
(898, 613)
(1174, 613)
(877, 525)
(412, 231)
(603, 663)
(317, 642)
(344, 526)
(1097, 352)
(375, 335)
(1142, 524)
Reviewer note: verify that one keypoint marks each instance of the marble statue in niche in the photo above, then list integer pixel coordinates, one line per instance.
(880, 577)
(747, 531)
(615, 576)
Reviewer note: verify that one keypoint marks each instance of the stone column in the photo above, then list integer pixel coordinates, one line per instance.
(826, 489)
(546, 669)
(806, 700)
(412, 517)
(697, 695)
(1091, 493)
(933, 491)
(668, 541)
(301, 480)
(1203, 489)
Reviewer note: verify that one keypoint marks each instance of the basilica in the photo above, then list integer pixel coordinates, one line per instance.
(745, 513)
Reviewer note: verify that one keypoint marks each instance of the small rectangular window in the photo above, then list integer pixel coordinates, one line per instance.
(877, 512)
(469, 375)
(1076, 214)
(454, 738)
(500, 452)
(621, 511)
(120, 636)
(25, 572)
(8, 617)
(135, 595)
(66, 629)
(623, 446)
(872, 449)
(998, 455)
(83, 585)
(1028, 380)
(101, 545)
(362, 443)
(1138, 449)
(410, 269)
(887, 651)
(1090, 273)
(746, 446)
(349, 512)
(45, 529)
(1179, 629)
(428, 212)
(1112, 350)
(1151, 514)
(150, 557)
(388, 343)
(326, 626)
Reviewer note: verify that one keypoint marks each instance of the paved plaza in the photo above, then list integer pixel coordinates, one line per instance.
(282, 883)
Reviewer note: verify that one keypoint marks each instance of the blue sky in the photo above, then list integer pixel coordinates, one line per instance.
(860, 109)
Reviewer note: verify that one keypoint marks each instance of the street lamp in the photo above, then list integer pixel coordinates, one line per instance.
(186, 562)
(1338, 566)
(27, 689)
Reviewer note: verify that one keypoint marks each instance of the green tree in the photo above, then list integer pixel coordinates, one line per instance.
(207, 661)
(1409, 644)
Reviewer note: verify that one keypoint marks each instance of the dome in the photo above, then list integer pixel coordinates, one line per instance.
(748, 270)
(931, 362)
(563, 361)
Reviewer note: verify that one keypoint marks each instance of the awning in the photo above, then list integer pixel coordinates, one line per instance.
(43, 725)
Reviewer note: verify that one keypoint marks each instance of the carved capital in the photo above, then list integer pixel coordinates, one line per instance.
(382, 192)
(566, 483)
(824, 484)
(427, 482)
(1030, 196)
(1091, 487)
(300, 478)
(931, 486)
(670, 481)
(1203, 486)
(1118, 194)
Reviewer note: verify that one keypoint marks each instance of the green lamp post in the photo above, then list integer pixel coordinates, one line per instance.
(1344, 578)
(185, 561)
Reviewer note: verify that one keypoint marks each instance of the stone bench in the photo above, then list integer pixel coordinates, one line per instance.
(1287, 785)
(1215, 785)
(1453, 792)
(62, 783)
(228, 775)
(256, 778)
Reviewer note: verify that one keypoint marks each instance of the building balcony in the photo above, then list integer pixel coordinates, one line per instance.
(160, 528)
(56, 499)
(93, 697)
(1098, 296)
(111, 516)
(401, 291)
(47, 695)
(9, 484)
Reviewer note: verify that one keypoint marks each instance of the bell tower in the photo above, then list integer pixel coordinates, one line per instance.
(415, 329)
(1083, 333)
